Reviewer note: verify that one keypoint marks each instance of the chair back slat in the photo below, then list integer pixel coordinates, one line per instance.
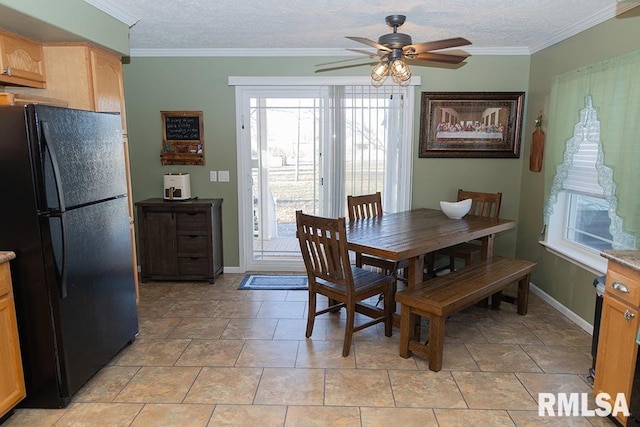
(323, 243)
(364, 206)
(482, 204)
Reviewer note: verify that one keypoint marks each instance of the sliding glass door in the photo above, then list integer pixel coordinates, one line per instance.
(308, 147)
(285, 137)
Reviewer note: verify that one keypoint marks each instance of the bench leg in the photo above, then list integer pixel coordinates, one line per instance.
(436, 342)
(496, 299)
(407, 330)
(523, 295)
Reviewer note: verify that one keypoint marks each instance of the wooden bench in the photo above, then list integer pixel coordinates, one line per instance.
(451, 293)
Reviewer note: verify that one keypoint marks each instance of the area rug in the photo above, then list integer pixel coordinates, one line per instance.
(274, 282)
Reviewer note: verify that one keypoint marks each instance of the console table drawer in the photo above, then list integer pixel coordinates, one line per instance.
(194, 266)
(192, 245)
(186, 221)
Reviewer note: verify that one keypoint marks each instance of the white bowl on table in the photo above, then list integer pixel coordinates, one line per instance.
(456, 210)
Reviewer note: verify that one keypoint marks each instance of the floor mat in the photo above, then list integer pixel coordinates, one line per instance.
(273, 282)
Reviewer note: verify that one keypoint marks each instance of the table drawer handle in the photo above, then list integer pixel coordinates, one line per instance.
(620, 287)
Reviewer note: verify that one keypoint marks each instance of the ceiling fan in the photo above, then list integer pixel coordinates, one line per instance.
(396, 50)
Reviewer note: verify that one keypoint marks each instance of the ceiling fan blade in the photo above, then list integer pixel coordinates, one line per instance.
(338, 62)
(340, 67)
(366, 52)
(368, 42)
(441, 57)
(435, 45)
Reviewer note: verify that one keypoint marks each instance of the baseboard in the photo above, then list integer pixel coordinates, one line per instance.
(232, 269)
(562, 309)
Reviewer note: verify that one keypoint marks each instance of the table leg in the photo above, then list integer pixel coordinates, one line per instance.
(415, 277)
(415, 271)
(485, 253)
(487, 246)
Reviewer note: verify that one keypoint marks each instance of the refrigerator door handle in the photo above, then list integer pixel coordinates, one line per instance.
(62, 283)
(62, 269)
(54, 165)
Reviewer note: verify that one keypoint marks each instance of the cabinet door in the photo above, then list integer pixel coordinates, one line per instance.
(617, 349)
(108, 89)
(21, 61)
(12, 388)
(159, 243)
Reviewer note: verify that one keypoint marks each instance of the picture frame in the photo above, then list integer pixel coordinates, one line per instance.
(182, 138)
(471, 124)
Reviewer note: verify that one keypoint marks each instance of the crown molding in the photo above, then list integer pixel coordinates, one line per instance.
(295, 52)
(595, 19)
(115, 11)
(310, 81)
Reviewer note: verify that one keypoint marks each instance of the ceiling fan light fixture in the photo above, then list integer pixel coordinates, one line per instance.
(400, 72)
(379, 73)
(394, 49)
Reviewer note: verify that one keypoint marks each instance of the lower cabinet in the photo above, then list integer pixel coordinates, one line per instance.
(617, 348)
(180, 240)
(12, 389)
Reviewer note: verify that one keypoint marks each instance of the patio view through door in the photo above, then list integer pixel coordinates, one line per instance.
(308, 148)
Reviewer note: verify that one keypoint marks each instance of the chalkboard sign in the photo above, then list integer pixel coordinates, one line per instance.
(182, 138)
(182, 128)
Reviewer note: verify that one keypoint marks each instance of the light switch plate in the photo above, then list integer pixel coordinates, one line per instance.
(213, 176)
(223, 176)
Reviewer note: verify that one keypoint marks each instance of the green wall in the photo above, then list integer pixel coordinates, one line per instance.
(565, 282)
(179, 83)
(64, 20)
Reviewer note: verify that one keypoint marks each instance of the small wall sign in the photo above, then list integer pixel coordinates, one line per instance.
(182, 138)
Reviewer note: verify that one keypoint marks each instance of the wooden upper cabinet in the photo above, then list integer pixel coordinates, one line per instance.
(87, 77)
(108, 89)
(21, 61)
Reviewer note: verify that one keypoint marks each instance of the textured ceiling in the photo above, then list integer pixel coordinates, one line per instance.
(493, 26)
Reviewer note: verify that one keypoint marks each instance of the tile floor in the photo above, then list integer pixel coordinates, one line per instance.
(212, 355)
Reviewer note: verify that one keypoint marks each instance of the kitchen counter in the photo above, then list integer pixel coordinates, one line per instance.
(6, 256)
(629, 258)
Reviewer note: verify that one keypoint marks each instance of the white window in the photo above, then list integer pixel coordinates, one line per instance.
(581, 212)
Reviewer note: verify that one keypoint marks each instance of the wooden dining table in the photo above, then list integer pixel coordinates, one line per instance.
(409, 235)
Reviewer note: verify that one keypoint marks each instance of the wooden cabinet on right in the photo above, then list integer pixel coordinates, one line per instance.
(180, 240)
(617, 348)
(12, 388)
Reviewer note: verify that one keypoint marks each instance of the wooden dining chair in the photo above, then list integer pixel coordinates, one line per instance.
(370, 206)
(323, 243)
(482, 204)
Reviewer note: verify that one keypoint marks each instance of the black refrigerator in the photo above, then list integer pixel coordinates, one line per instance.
(64, 212)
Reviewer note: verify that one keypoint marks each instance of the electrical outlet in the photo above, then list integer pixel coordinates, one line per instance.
(223, 176)
(213, 176)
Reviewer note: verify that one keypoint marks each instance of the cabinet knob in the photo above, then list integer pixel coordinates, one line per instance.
(7, 71)
(628, 315)
(620, 287)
